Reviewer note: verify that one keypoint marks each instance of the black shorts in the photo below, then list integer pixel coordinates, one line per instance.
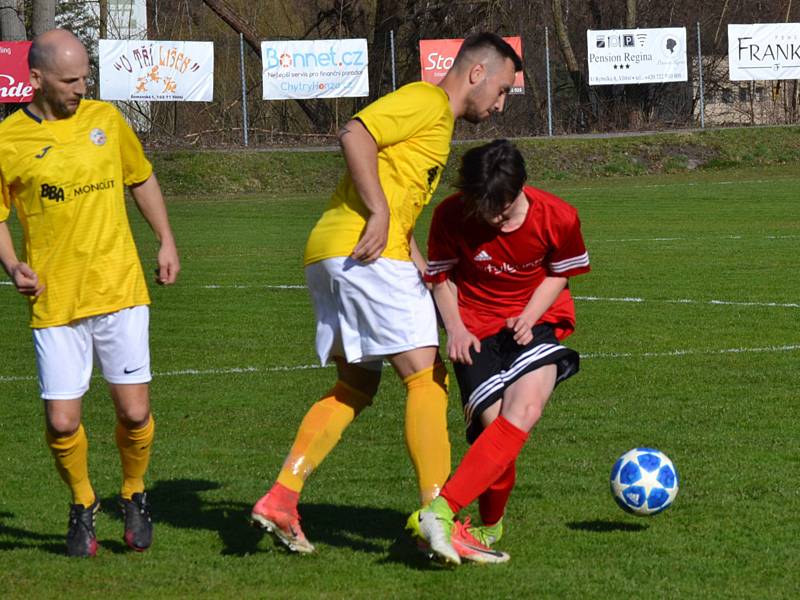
(500, 363)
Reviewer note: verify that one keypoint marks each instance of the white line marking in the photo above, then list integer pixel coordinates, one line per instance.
(283, 369)
(688, 301)
(6, 283)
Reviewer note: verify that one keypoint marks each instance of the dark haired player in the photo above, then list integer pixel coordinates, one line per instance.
(363, 272)
(499, 257)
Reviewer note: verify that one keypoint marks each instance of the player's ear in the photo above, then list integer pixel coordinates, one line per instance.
(35, 78)
(476, 73)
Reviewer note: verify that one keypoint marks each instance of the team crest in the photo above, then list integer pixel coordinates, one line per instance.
(98, 136)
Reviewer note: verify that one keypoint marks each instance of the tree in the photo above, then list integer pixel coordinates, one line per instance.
(12, 24)
(44, 16)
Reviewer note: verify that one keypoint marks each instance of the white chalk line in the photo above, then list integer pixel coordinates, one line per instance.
(631, 299)
(587, 355)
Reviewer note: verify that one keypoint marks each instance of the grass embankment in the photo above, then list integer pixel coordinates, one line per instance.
(214, 172)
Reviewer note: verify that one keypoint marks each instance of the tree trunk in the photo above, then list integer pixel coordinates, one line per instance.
(12, 27)
(44, 16)
(103, 19)
(634, 94)
(574, 69)
(630, 14)
(387, 18)
(318, 114)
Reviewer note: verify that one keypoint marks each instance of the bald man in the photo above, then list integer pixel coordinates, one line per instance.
(363, 270)
(64, 164)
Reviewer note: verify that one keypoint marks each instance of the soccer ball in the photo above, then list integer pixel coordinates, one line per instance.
(644, 481)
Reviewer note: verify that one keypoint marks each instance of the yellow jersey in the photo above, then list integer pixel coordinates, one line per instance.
(412, 127)
(66, 179)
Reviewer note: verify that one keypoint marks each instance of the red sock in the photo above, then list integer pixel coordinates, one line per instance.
(492, 502)
(486, 460)
(283, 497)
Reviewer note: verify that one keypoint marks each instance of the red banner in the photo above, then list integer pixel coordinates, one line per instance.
(14, 83)
(436, 58)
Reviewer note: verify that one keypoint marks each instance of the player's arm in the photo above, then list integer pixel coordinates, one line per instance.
(25, 279)
(459, 338)
(361, 155)
(150, 201)
(416, 255)
(541, 299)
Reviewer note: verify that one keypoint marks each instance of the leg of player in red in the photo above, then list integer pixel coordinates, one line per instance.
(508, 423)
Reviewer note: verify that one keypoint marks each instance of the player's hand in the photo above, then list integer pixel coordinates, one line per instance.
(26, 280)
(373, 241)
(459, 344)
(169, 265)
(522, 328)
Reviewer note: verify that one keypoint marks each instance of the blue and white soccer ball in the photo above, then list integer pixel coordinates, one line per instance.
(644, 481)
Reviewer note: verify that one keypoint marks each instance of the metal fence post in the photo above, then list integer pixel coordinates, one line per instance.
(244, 89)
(391, 42)
(549, 98)
(700, 70)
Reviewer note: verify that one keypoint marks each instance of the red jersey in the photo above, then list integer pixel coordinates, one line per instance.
(497, 272)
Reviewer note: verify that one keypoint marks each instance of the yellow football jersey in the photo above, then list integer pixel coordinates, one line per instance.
(66, 181)
(412, 127)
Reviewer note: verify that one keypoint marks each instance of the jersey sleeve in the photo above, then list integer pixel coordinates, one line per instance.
(5, 197)
(442, 249)
(135, 166)
(569, 256)
(402, 114)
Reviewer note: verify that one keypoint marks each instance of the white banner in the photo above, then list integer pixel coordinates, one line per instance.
(764, 51)
(314, 69)
(151, 70)
(622, 56)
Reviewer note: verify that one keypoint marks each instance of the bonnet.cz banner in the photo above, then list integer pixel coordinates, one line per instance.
(437, 56)
(14, 83)
(303, 69)
(624, 56)
(153, 70)
(764, 51)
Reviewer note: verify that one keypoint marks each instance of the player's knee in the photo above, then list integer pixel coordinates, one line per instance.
(435, 375)
(134, 417)
(356, 398)
(62, 425)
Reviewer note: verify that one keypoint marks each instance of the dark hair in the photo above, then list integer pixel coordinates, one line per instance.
(486, 40)
(490, 178)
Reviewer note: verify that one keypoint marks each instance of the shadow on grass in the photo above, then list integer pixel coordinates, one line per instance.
(23, 538)
(598, 526)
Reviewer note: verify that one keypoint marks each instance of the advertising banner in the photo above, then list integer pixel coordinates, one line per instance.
(625, 56)
(303, 69)
(764, 51)
(436, 58)
(152, 70)
(14, 83)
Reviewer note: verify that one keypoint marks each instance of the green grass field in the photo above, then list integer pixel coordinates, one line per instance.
(688, 330)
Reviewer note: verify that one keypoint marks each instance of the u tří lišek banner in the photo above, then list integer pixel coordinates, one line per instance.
(764, 51)
(14, 83)
(626, 56)
(303, 69)
(153, 70)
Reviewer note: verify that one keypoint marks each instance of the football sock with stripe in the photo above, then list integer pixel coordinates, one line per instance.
(492, 502)
(134, 452)
(320, 431)
(71, 454)
(485, 462)
(426, 435)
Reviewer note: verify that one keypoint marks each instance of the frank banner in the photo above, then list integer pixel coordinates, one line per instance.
(625, 56)
(152, 70)
(764, 51)
(14, 83)
(314, 69)
(436, 58)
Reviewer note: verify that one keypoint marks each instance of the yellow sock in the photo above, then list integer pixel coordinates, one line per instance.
(134, 452)
(426, 429)
(71, 454)
(320, 431)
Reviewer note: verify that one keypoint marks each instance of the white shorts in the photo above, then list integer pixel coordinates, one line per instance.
(366, 312)
(119, 340)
